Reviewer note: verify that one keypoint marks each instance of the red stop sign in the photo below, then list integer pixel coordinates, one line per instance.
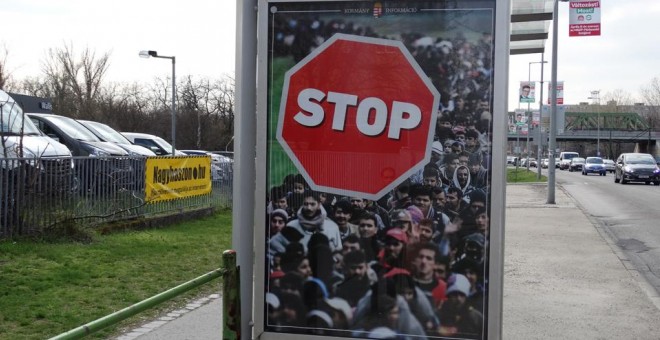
(357, 116)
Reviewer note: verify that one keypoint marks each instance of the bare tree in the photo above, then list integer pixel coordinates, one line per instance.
(5, 74)
(651, 97)
(617, 100)
(75, 82)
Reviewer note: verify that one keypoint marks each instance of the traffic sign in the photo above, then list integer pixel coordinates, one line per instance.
(357, 116)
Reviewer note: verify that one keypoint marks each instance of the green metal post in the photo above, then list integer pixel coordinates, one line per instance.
(127, 312)
(231, 293)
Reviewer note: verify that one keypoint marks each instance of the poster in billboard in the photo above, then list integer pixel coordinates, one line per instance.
(527, 91)
(378, 172)
(584, 18)
(560, 93)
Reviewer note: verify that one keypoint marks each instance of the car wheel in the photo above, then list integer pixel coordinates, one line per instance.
(605, 173)
(656, 182)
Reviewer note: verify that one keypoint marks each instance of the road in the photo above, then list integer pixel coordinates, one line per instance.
(629, 214)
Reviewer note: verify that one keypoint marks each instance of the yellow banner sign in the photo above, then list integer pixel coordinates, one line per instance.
(177, 177)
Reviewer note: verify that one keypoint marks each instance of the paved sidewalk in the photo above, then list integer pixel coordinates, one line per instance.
(562, 280)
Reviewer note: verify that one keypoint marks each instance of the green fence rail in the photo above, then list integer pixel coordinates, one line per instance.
(231, 319)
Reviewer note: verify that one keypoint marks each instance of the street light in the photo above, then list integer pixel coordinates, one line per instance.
(538, 128)
(595, 96)
(529, 79)
(147, 54)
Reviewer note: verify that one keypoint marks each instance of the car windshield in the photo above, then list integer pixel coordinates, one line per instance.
(73, 128)
(594, 160)
(106, 132)
(641, 160)
(12, 119)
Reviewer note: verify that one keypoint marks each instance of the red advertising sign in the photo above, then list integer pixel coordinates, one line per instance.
(584, 18)
(357, 116)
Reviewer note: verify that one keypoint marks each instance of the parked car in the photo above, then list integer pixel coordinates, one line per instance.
(576, 164)
(112, 170)
(108, 134)
(594, 165)
(511, 160)
(221, 166)
(152, 142)
(636, 167)
(609, 165)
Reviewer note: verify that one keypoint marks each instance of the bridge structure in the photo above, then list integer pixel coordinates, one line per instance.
(585, 132)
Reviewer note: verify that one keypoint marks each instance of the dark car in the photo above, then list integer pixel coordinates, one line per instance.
(594, 165)
(636, 167)
(576, 164)
(100, 166)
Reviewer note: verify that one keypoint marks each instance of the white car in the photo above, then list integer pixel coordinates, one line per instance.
(152, 142)
(609, 165)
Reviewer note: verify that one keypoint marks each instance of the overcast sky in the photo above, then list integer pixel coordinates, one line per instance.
(201, 34)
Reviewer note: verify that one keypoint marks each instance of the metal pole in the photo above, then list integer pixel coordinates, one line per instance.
(245, 130)
(173, 106)
(143, 305)
(553, 114)
(231, 299)
(529, 79)
(539, 150)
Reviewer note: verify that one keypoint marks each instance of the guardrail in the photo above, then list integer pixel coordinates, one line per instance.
(39, 193)
(231, 304)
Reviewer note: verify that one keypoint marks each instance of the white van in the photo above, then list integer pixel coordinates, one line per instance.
(21, 138)
(565, 159)
(24, 146)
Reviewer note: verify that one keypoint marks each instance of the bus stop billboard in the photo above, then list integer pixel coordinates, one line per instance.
(378, 210)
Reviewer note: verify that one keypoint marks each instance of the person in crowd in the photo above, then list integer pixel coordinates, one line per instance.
(472, 141)
(423, 272)
(400, 198)
(350, 243)
(461, 180)
(401, 219)
(473, 272)
(432, 176)
(356, 280)
(400, 284)
(451, 162)
(478, 175)
(369, 242)
(279, 199)
(457, 318)
(343, 212)
(311, 219)
(463, 158)
(422, 197)
(455, 203)
(393, 254)
(294, 260)
(278, 219)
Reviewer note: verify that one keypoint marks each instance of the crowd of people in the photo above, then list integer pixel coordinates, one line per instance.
(414, 262)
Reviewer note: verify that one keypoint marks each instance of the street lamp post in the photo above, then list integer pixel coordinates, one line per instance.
(595, 96)
(538, 129)
(147, 54)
